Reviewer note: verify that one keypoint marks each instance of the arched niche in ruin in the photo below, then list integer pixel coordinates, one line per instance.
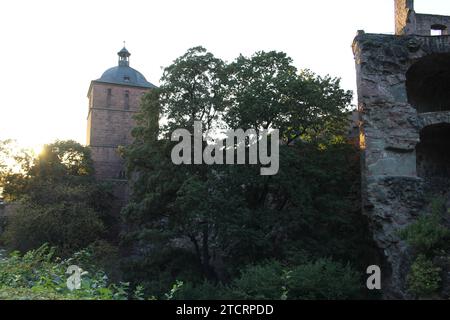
(428, 83)
(433, 152)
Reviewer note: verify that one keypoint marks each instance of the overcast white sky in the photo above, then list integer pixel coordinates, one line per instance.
(50, 50)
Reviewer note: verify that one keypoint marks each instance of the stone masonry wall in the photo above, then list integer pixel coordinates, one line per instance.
(408, 22)
(424, 23)
(110, 122)
(404, 14)
(393, 194)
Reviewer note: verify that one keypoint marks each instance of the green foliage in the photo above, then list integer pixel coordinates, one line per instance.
(324, 280)
(427, 235)
(205, 223)
(260, 282)
(203, 291)
(59, 162)
(424, 278)
(267, 91)
(105, 256)
(69, 226)
(57, 201)
(41, 275)
(175, 288)
(193, 88)
(13, 162)
(38, 274)
(206, 232)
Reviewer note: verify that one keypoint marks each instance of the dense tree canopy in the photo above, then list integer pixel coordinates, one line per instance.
(57, 200)
(197, 222)
(212, 231)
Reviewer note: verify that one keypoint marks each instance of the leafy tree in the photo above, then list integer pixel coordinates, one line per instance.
(57, 200)
(14, 161)
(214, 220)
(193, 89)
(267, 91)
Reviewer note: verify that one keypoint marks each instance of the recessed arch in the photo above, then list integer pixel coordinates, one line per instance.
(428, 83)
(433, 152)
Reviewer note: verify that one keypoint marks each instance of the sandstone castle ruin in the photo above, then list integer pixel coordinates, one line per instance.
(404, 107)
(404, 122)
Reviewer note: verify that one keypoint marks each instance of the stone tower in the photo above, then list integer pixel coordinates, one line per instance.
(404, 105)
(113, 101)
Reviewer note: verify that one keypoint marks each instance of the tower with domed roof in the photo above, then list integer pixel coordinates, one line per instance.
(114, 99)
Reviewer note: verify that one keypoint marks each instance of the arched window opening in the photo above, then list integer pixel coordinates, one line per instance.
(433, 154)
(439, 30)
(428, 83)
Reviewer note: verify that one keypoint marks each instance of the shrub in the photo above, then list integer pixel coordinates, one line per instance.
(260, 282)
(68, 226)
(427, 234)
(202, 291)
(320, 280)
(38, 274)
(323, 280)
(424, 278)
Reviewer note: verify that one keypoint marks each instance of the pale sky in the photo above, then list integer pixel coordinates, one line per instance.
(51, 49)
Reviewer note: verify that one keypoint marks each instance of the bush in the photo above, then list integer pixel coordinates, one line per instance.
(70, 226)
(323, 280)
(105, 256)
(38, 274)
(426, 234)
(320, 280)
(202, 291)
(424, 278)
(260, 282)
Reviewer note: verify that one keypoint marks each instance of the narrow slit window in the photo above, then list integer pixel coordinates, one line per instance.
(127, 100)
(108, 97)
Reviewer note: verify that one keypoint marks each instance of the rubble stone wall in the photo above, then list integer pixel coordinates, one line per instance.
(390, 128)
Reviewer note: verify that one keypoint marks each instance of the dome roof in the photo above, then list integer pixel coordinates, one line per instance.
(123, 74)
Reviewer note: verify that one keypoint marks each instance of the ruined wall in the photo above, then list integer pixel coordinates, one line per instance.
(404, 17)
(408, 22)
(391, 127)
(426, 22)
